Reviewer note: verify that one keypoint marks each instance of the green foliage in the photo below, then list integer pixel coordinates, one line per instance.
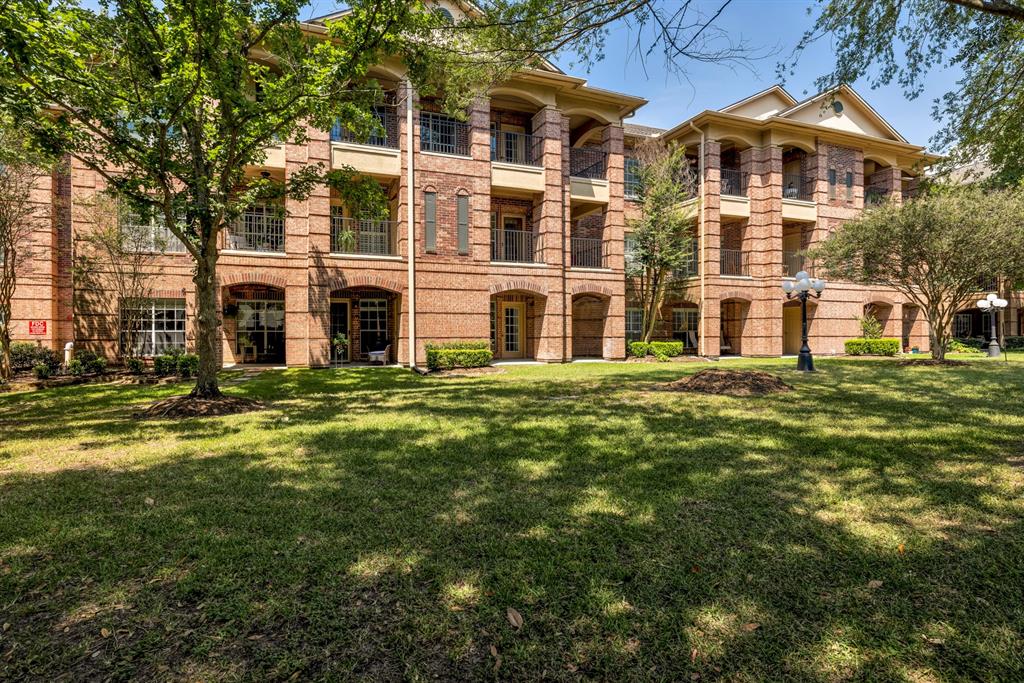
(1014, 343)
(870, 327)
(187, 364)
(76, 368)
(97, 366)
(459, 354)
(166, 364)
(662, 350)
(965, 345)
(135, 366)
(42, 371)
(639, 349)
(25, 356)
(901, 41)
(872, 347)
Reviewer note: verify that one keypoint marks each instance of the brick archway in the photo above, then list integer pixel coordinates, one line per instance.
(363, 280)
(252, 277)
(591, 289)
(522, 285)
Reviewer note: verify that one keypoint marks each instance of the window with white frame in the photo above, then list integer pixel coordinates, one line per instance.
(631, 178)
(685, 323)
(634, 324)
(962, 325)
(158, 326)
(148, 232)
(259, 228)
(630, 250)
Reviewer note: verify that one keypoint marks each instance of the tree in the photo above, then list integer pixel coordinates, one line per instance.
(119, 256)
(663, 237)
(934, 250)
(20, 216)
(903, 40)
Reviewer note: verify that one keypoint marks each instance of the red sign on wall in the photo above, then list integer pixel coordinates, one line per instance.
(37, 327)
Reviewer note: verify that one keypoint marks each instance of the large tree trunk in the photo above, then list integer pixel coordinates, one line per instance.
(207, 328)
(5, 351)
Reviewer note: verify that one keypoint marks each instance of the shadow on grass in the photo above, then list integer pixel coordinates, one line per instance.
(374, 524)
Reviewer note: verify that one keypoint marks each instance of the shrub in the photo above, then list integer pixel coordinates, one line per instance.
(639, 348)
(136, 366)
(75, 368)
(957, 346)
(870, 327)
(976, 343)
(26, 356)
(97, 365)
(667, 348)
(472, 354)
(1014, 343)
(41, 371)
(187, 364)
(872, 347)
(166, 364)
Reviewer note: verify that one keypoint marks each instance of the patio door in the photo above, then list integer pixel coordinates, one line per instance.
(339, 325)
(373, 325)
(260, 331)
(513, 321)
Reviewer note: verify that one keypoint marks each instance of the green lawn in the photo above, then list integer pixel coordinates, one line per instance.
(374, 524)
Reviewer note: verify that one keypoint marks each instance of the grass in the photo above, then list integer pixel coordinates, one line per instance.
(374, 524)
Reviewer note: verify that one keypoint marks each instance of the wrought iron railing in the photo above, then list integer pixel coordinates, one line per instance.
(259, 228)
(516, 148)
(386, 135)
(443, 134)
(734, 262)
(795, 261)
(734, 182)
(515, 246)
(587, 252)
(587, 162)
(364, 236)
(797, 186)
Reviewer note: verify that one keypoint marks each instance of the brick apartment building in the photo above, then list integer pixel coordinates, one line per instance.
(511, 226)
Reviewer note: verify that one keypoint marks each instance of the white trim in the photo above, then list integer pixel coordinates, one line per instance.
(447, 156)
(517, 167)
(514, 264)
(246, 252)
(372, 149)
(799, 202)
(583, 269)
(775, 88)
(366, 257)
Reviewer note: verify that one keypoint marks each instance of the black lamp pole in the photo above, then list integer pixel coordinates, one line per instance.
(803, 288)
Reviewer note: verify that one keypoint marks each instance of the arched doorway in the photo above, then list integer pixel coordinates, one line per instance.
(733, 317)
(589, 313)
(882, 312)
(254, 323)
(516, 321)
(368, 317)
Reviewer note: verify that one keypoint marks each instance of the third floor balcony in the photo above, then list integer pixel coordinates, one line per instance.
(515, 246)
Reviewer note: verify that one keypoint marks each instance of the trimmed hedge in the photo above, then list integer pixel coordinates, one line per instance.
(872, 347)
(638, 348)
(459, 354)
(187, 365)
(658, 349)
(26, 356)
(1013, 343)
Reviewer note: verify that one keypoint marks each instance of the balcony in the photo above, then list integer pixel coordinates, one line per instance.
(734, 262)
(797, 186)
(734, 182)
(520, 149)
(873, 196)
(587, 252)
(385, 136)
(794, 261)
(587, 162)
(260, 228)
(515, 246)
(442, 134)
(362, 236)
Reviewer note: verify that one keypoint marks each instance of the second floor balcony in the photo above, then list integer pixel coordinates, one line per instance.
(734, 262)
(587, 252)
(515, 246)
(797, 186)
(442, 134)
(362, 236)
(588, 162)
(734, 182)
(522, 149)
(385, 135)
(795, 261)
(259, 228)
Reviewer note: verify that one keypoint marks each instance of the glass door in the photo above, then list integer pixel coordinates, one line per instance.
(259, 336)
(339, 325)
(512, 328)
(373, 325)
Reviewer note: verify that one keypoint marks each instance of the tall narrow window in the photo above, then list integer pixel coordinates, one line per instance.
(462, 217)
(634, 324)
(430, 220)
(849, 186)
(831, 183)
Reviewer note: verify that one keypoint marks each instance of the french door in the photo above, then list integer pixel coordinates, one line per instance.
(260, 331)
(373, 325)
(339, 325)
(513, 343)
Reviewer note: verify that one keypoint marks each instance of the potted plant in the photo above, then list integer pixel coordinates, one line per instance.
(340, 344)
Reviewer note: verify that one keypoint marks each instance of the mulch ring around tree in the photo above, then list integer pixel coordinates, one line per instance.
(467, 372)
(187, 406)
(931, 362)
(731, 383)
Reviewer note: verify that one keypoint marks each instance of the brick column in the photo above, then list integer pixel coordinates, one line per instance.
(763, 243)
(318, 210)
(614, 345)
(480, 201)
(297, 249)
(710, 204)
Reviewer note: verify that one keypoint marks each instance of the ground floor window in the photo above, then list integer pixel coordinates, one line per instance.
(684, 326)
(962, 325)
(159, 327)
(634, 324)
(260, 331)
(373, 325)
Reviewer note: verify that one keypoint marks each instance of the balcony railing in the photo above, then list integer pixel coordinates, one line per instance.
(363, 236)
(515, 246)
(587, 162)
(386, 134)
(734, 182)
(796, 186)
(874, 196)
(259, 228)
(734, 262)
(516, 148)
(587, 252)
(794, 261)
(443, 134)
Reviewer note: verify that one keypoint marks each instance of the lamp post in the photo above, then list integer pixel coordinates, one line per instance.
(803, 287)
(993, 304)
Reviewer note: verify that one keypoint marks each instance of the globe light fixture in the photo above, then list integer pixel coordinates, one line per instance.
(993, 304)
(802, 287)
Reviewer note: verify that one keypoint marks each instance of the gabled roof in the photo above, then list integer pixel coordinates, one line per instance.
(637, 130)
(768, 102)
(863, 118)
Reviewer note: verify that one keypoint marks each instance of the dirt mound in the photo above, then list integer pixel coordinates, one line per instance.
(931, 362)
(731, 383)
(467, 372)
(187, 406)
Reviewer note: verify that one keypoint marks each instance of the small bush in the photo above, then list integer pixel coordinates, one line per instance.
(870, 327)
(41, 371)
(75, 368)
(872, 347)
(1014, 343)
(639, 348)
(470, 354)
(667, 348)
(165, 365)
(187, 365)
(136, 366)
(957, 346)
(976, 343)
(97, 366)
(26, 356)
